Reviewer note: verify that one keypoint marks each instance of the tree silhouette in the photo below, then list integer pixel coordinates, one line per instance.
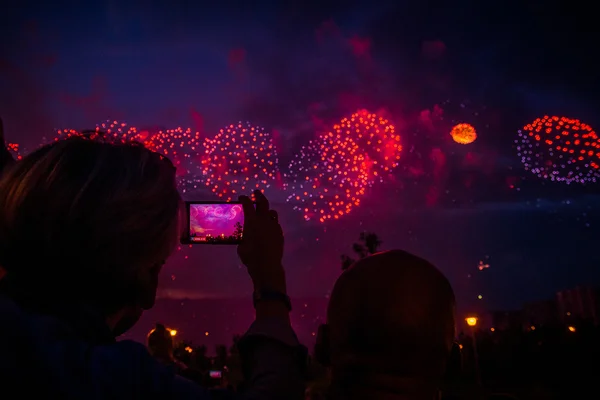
(368, 243)
(346, 262)
(239, 230)
(359, 250)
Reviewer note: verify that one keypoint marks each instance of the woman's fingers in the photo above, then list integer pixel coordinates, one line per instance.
(273, 215)
(248, 208)
(262, 204)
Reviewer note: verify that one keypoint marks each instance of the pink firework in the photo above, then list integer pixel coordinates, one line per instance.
(328, 177)
(181, 146)
(239, 159)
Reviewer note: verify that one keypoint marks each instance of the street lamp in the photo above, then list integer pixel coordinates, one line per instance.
(173, 332)
(472, 322)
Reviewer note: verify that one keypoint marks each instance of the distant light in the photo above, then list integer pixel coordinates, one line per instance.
(480, 297)
(493, 329)
(568, 313)
(206, 333)
(572, 329)
(460, 346)
(483, 265)
(189, 349)
(173, 332)
(532, 328)
(471, 321)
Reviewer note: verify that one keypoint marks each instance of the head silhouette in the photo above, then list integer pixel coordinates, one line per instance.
(88, 222)
(390, 321)
(160, 343)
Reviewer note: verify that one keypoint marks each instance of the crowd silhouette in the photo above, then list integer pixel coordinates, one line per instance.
(391, 330)
(546, 362)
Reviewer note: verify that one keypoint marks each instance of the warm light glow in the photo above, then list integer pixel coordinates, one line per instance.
(471, 321)
(173, 332)
(560, 149)
(532, 328)
(463, 133)
(572, 329)
(189, 349)
(493, 329)
(206, 333)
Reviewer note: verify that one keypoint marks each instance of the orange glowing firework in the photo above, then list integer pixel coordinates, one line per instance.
(560, 149)
(238, 160)
(463, 133)
(328, 178)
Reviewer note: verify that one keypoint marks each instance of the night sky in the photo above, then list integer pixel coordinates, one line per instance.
(299, 67)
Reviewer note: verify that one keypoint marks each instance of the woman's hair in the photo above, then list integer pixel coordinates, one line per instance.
(79, 218)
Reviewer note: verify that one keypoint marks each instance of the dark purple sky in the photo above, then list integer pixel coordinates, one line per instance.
(298, 67)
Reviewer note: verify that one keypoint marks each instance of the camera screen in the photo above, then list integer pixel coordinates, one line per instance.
(216, 223)
(215, 374)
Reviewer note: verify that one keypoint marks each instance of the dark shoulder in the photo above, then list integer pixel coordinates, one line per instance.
(44, 351)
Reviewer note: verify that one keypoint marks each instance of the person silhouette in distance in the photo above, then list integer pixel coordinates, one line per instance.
(160, 344)
(161, 347)
(85, 228)
(390, 329)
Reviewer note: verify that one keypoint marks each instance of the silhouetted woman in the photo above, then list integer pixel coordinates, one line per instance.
(85, 229)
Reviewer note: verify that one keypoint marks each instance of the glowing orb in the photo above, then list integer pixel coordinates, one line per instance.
(560, 149)
(463, 133)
